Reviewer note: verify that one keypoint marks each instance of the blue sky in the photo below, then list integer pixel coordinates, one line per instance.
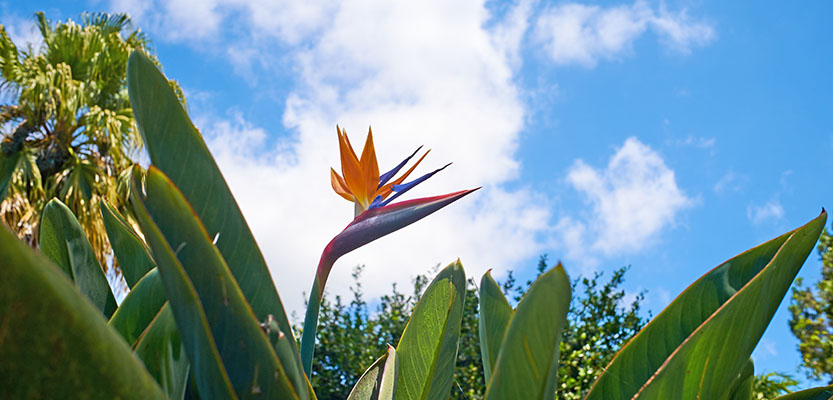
(668, 136)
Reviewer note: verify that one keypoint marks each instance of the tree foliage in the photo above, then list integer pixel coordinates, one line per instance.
(599, 326)
(770, 386)
(69, 130)
(353, 334)
(812, 317)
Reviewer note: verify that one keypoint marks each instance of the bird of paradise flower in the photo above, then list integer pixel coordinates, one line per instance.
(375, 216)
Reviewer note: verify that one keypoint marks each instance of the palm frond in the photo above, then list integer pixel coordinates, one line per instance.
(109, 23)
(43, 25)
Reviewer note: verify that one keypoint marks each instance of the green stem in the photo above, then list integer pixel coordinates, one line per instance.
(313, 307)
(310, 328)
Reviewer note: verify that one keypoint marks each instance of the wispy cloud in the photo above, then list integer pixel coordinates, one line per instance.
(22, 31)
(697, 142)
(631, 201)
(730, 182)
(769, 211)
(772, 211)
(765, 350)
(187, 20)
(661, 298)
(580, 34)
(509, 32)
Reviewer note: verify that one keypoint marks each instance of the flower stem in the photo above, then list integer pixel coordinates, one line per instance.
(313, 308)
(310, 328)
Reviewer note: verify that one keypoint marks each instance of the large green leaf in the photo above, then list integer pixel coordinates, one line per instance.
(139, 308)
(697, 346)
(8, 162)
(741, 388)
(379, 381)
(131, 252)
(177, 149)
(162, 351)
(427, 351)
(527, 364)
(63, 240)
(53, 342)
(207, 367)
(819, 393)
(495, 313)
(214, 319)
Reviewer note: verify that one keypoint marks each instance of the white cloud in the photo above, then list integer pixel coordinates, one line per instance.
(423, 73)
(574, 33)
(188, 20)
(730, 182)
(766, 349)
(632, 200)
(22, 31)
(697, 142)
(509, 32)
(769, 211)
(679, 32)
(662, 299)
(176, 19)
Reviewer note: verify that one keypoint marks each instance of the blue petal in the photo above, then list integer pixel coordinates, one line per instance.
(377, 202)
(387, 175)
(400, 189)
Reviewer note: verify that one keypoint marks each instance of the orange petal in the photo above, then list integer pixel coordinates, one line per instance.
(370, 167)
(347, 139)
(386, 190)
(351, 168)
(340, 186)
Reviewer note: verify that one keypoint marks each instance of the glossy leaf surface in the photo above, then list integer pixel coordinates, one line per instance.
(379, 381)
(819, 393)
(7, 167)
(204, 294)
(139, 307)
(495, 313)
(699, 343)
(55, 342)
(207, 368)
(177, 149)
(742, 387)
(163, 353)
(427, 351)
(527, 365)
(130, 251)
(63, 241)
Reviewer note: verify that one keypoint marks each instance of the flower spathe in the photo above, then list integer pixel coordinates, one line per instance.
(378, 222)
(375, 216)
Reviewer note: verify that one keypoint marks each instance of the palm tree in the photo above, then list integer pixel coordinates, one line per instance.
(70, 132)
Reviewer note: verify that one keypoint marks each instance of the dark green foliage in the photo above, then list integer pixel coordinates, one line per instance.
(812, 317)
(352, 335)
(468, 377)
(598, 327)
(54, 343)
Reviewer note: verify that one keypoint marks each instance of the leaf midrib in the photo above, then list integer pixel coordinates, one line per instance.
(716, 312)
